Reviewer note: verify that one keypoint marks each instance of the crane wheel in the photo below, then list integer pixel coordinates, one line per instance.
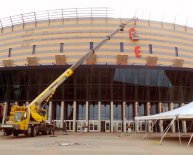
(34, 131)
(29, 131)
(7, 132)
(15, 133)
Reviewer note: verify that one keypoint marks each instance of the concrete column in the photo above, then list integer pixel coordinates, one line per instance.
(161, 121)
(62, 115)
(87, 111)
(184, 128)
(99, 116)
(5, 112)
(124, 117)
(136, 113)
(74, 116)
(111, 116)
(171, 108)
(50, 111)
(148, 106)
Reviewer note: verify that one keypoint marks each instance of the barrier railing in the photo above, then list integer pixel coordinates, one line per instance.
(56, 14)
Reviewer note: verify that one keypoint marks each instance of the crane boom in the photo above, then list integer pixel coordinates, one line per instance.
(49, 91)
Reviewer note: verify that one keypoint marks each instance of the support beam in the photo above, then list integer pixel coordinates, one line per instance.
(99, 116)
(136, 109)
(62, 115)
(87, 111)
(124, 117)
(161, 121)
(173, 125)
(111, 116)
(74, 116)
(136, 114)
(5, 110)
(50, 111)
(148, 106)
(184, 127)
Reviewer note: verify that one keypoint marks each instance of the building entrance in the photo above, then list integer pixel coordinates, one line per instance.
(93, 125)
(81, 126)
(69, 125)
(117, 126)
(141, 126)
(105, 126)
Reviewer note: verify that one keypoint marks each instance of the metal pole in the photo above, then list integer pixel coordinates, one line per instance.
(48, 17)
(106, 15)
(168, 127)
(23, 21)
(11, 22)
(179, 131)
(35, 19)
(135, 126)
(190, 140)
(62, 17)
(1, 26)
(186, 24)
(76, 16)
(151, 129)
(91, 15)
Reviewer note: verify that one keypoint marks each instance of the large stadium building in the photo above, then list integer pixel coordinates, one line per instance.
(146, 69)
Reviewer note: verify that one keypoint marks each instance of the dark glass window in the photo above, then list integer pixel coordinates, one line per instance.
(69, 112)
(34, 49)
(103, 83)
(150, 49)
(61, 47)
(121, 47)
(117, 112)
(91, 45)
(10, 50)
(129, 111)
(58, 109)
(154, 108)
(81, 111)
(105, 111)
(93, 115)
(176, 51)
(141, 109)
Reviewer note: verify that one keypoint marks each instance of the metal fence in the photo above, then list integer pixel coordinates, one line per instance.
(56, 14)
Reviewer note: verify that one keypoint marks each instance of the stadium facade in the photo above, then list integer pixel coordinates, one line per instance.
(146, 69)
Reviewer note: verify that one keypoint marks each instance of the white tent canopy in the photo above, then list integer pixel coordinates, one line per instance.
(184, 112)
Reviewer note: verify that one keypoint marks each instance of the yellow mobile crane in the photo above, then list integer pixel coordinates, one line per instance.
(31, 119)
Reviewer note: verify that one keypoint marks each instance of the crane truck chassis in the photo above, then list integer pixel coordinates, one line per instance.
(31, 119)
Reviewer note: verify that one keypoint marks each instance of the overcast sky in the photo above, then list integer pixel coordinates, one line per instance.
(166, 10)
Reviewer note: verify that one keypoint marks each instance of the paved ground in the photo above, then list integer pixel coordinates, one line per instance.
(91, 144)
